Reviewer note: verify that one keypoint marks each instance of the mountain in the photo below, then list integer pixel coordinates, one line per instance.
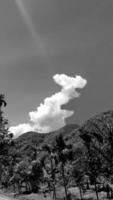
(28, 142)
(97, 127)
(100, 124)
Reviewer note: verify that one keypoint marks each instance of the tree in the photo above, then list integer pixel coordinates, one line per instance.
(5, 141)
(28, 175)
(35, 175)
(92, 141)
(64, 154)
(78, 176)
(51, 168)
(79, 170)
(108, 152)
(2, 101)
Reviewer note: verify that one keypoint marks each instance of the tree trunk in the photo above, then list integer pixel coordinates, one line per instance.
(108, 191)
(96, 191)
(54, 192)
(53, 178)
(87, 185)
(80, 192)
(14, 187)
(65, 188)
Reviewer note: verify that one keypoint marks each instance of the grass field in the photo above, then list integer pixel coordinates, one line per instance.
(74, 191)
(89, 195)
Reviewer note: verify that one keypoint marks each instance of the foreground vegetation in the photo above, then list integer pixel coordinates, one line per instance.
(73, 162)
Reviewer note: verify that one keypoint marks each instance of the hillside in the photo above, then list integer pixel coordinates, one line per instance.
(28, 142)
(92, 146)
(101, 124)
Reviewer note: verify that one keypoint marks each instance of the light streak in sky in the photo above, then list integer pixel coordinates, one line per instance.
(28, 21)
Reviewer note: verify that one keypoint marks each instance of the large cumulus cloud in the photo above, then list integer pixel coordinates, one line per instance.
(50, 116)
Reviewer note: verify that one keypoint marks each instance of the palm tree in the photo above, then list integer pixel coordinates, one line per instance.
(51, 156)
(64, 153)
(78, 176)
(2, 101)
(93, 160)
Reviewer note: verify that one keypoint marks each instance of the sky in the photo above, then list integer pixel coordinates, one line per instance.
(39, 39)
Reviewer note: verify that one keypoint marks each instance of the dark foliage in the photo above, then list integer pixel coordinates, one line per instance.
(82, 156)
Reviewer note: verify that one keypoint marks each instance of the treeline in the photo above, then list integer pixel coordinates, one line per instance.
(60, 164)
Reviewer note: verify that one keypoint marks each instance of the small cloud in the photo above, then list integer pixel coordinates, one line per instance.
(50, 116)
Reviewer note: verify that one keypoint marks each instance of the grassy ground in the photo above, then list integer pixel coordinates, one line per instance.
(34, 197)
(89, 195)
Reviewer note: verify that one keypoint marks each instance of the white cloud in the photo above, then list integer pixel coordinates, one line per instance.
(20, 129)
(50, 116)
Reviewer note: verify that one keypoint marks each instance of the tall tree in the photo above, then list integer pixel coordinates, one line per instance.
(5, 140)
(51, 169)
(65, 154)
(2, 101)
(93, 141)
(79, 169)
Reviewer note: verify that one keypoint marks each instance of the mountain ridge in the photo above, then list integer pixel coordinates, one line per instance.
(70, 132)
(29, 140)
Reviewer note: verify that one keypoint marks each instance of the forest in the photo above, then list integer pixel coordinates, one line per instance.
(75, 162)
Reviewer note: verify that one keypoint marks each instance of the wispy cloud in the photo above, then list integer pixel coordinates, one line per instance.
(40, 45)
(50, 116)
